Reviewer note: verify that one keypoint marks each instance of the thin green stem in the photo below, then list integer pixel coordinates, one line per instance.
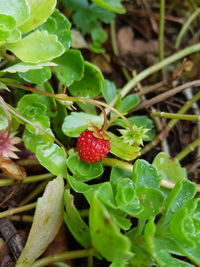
(160, 65)
(10, 212)
(171, 123)
(22, 218)
(189, 148)
(29, 179)
(38, 190)
(69, 255)
(161, 30)
(175, 116)
(185, 27)
(129, 167)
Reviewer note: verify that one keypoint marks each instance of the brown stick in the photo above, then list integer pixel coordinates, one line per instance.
(167, 94)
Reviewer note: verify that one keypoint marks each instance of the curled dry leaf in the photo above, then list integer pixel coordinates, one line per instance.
(11, 169)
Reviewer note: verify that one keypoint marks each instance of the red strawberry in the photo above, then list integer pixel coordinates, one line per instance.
(91, 148)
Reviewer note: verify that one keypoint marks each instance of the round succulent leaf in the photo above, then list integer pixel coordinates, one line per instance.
(77, 122)
(40, 10)
(18, 9)
(151, 201)
(14, 36)
(31, 141)
(145, 174)
(169, 168)
(112, 5)
(84, 171)
(53, 158)
(90, 85)
(36, 42)
(70, 67)
(38, 76)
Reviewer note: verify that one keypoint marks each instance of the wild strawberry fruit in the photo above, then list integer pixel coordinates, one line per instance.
(92, 146)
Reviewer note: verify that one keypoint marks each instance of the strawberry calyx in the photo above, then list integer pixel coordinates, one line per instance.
(98, 133)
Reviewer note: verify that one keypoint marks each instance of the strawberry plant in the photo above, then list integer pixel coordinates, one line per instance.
(64, 125)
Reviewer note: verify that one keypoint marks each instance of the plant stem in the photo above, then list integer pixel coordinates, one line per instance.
(39, 189)
(175, 116)
(129, 167)
(171, 123)
(64, 256)
(147, 72)
(185, 27)
(29, 179)
(112, 162)
(167, 94)
(161, 30)
(22, 218)
(10, 212)
(189, 148)
(28, 162)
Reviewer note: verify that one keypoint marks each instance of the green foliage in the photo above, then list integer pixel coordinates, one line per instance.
(70, 67)
(91, 84)
(88, 17)
(35, 42)
(169, 168)
(84, 171)
(131, 221)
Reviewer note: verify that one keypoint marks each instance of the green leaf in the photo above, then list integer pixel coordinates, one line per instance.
(185, 226)
(151, 202)
(46, 223)
(117, 175)
(40, 10)
(34, 49)
(19, 9)
(121, 149)
(128, 103)
(58, 121)
(112, 5)
(29, 107)
(169, 168)
(74, 222)
(162, 256)
(62, 28)
(183, 191)
(90, 85)
(49, 102)
(84, 171)
(109, 91)
(106, 236)
(145, 122)
(102, 14)
(70, 67)
(24, 67)
(145, 174)
(53, 158)
(36, 76)
(7, 24)
(77, 122)
(3, 120)
(31, 141)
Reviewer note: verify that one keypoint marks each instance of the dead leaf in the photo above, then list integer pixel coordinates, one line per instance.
(11, 169)
(129, 45)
